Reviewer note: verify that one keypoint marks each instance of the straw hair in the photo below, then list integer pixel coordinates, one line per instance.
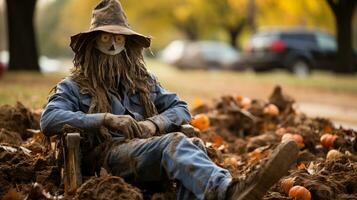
(100, 75)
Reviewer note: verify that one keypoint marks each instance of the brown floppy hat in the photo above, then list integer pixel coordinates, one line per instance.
(109, 16)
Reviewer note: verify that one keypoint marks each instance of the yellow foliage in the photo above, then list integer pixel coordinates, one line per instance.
(182, 13)
(164, 18)
(304, 13)
(237, 5)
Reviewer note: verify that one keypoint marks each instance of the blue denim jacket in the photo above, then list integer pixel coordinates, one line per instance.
(68, 106)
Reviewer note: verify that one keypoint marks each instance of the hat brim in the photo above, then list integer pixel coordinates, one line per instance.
(145, 41)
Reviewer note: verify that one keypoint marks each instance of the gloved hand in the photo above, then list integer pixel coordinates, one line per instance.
(148, 128)
(189, 130)
(125, 124)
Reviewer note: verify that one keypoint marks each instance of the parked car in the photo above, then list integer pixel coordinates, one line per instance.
(201, 55)
(299, 51)
(3, 68)
(4, 57)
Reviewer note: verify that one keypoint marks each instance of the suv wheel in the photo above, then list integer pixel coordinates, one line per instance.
(300, 68)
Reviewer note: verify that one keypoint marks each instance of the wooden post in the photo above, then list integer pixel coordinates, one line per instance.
(72, 170)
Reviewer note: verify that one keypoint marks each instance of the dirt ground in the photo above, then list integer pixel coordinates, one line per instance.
(239, 133)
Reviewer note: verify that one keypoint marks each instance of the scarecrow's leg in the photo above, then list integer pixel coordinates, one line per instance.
(173, 156)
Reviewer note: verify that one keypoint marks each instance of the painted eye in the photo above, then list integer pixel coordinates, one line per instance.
(104, 37)
(119, 39)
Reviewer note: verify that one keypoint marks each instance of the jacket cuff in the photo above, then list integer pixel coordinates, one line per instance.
(161, 123)
(94, 120)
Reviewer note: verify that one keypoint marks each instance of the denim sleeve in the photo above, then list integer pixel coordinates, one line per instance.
(173, 112)
(63, 108)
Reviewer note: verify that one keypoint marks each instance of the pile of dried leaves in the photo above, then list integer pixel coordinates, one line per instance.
(242, 133)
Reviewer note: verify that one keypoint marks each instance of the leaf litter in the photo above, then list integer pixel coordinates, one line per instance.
(242, 134)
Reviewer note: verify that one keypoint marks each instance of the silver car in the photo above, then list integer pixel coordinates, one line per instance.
(201, 55)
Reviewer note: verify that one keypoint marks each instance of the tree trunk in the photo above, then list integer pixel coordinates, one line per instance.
(345, 57)
(251, 16)
(233, 35)
(234, 32)
(190, 29)
(22, 43)
(343, 11)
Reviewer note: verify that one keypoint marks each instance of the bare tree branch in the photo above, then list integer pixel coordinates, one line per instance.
(332, 5)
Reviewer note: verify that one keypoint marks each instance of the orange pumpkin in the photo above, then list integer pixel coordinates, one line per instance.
(243, 102)
(200, 121)
(327, 140)
(296, 137)
(238, 98)
(300, 193)
(271, 110)
(246, 103)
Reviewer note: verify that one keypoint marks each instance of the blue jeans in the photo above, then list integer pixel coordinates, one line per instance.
(172, 156)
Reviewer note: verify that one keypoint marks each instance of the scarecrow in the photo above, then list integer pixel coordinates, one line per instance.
(132, 122)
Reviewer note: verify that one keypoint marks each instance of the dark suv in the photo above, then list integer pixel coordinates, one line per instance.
(296, 50)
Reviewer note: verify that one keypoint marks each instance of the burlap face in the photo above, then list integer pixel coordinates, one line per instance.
(110, 44)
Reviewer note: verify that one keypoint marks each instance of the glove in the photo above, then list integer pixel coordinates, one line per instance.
(148, 128)
(125, 124)
(189, 130)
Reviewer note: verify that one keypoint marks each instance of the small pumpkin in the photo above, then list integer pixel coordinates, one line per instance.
(271, 110)
(200, 121)
(327, 140)
(333, 154)
(296, 137)
(300, 193)
(243, 102)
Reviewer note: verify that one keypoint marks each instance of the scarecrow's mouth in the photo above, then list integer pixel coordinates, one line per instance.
(112, 48)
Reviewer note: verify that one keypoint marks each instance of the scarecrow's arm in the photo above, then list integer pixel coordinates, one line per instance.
(173, 111)
(63, 108)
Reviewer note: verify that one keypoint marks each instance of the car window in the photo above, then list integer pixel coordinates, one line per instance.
(326, 42)
(306, 37)
(218, 52)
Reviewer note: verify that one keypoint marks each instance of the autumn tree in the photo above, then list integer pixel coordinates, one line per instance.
(186, 16)
(343, 11)
(302, 13)
(231, 16)
(166, 20)
(186, 19)
(21, 35)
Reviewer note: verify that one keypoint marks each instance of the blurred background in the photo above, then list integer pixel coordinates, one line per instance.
(201, 49)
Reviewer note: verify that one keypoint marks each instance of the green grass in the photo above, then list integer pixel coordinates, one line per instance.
(33, 88)
(30, 88)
